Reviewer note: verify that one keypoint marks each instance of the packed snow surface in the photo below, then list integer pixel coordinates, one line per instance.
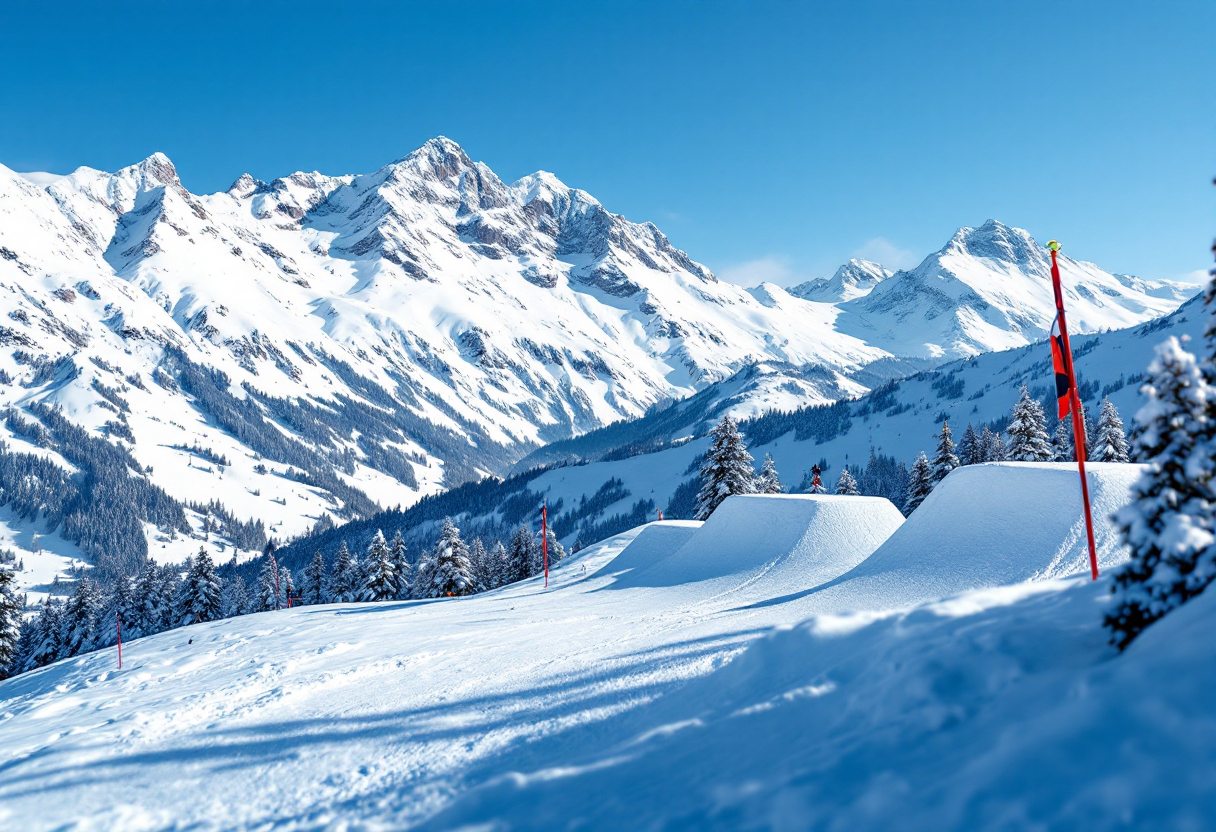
(609, 701)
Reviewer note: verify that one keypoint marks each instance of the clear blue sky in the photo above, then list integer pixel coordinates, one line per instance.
(768, 139)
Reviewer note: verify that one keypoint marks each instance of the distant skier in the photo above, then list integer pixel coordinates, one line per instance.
(816, 483)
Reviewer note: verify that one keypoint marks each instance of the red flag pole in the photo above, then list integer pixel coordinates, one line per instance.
(1074, 399)
(544, 537)
(660, 515)
(118, 624)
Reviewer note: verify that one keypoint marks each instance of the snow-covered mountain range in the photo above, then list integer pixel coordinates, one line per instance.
(323, 345)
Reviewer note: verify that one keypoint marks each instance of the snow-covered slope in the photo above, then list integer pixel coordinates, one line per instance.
(608, 703)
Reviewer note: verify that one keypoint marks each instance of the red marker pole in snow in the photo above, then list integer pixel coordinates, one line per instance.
(660, 515)
(118, 624)
(1067, 399)
(544, 537)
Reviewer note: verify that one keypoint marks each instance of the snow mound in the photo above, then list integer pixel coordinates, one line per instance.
(776, 542)
(997, 524)
(654, 542)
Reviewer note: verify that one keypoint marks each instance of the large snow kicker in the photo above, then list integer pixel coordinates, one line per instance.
(996, 524)
(776, 542)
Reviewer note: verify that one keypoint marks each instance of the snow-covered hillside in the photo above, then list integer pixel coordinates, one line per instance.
(251, 363)
(660, 687)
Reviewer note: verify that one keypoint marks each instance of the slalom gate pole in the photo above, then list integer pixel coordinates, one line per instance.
(544, 537)
(118, 624)
(660, 515)
(1074, 398)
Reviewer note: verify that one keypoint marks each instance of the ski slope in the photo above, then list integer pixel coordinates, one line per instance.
(617, 700)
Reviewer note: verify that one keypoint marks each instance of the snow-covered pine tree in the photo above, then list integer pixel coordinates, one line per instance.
(1028, 440)
(453, 575)
(380, 579)
(945, 460)
(235, 597)
(423, 575)
(1170, 524)
(768, 481)
(342, 578)
(847, 484)
(520, 559)
(287, 587)
(203, 591)
(501, 563)
(920, 483)
(312, 583)
(479, 562)
(401, 565)
(79, 617)
(268, 591)
(118, 604)
(1062, 449)
(556, 552)
(1111, 443)
(168, 582)
(727, 469)
(970, 451)
(998, 451)
(146, 616)
(49, 647)
(10, 623)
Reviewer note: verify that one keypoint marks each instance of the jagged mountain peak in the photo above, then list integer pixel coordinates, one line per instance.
(996, 241)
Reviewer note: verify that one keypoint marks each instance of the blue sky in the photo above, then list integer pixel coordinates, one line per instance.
(770, 140)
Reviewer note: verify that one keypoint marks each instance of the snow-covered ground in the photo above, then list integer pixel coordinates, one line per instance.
(753, 672)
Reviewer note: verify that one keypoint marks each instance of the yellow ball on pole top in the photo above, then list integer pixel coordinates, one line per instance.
(1053, 245)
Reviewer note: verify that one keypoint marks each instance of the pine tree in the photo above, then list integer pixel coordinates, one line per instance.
(342, 578)
(10, 623)
(501, 562)
(203, 591)
(312, 585)
(556, 553)
(146, 615)
(79, 616)
(453, 576)
(768, 482)
(520, 560)
(945, 461)
(235, 597)
(1028, 441)
(970, 452)
(1170, 525)
(268, 592)
(401, 565)
(424, 574)
(479, 562)
(168, 581)
(727, 469)
(118, 605)
(380, 580)
(920, 483)
(287, 587)
(847, 484)
(1111, 443)
(998, 451)
(1062, 448)
(44, 643)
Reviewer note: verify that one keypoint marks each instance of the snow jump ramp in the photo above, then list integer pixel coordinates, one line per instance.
(655, 542)
(770, 544)
(996, 524)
